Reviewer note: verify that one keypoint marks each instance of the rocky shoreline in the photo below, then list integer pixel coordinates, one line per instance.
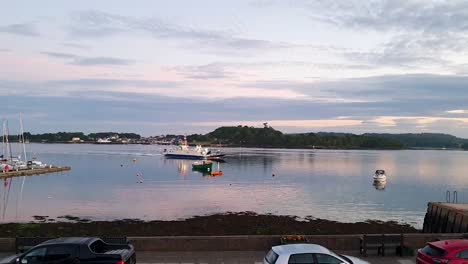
(243, 223)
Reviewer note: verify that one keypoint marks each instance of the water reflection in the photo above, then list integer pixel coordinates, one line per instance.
(8, 197)
(379, 185)
(182, 167)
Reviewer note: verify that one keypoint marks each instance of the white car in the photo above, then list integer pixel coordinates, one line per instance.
(307, 254)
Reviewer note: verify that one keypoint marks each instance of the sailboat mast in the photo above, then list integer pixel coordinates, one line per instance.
(8, 142)
(3, 139)
(22, 138)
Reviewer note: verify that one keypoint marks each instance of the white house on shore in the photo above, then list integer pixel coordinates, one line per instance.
(77, 140)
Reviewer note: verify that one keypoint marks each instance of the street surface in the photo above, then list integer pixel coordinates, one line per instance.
(232, 257)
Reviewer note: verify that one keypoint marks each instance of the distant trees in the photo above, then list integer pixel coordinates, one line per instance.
(53, 137)
(111, 134)
(247, 136)
(68, 136)
(269, 137)
(424, 140)
(464, 146)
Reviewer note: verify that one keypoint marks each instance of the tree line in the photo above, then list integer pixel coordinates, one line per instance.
(68, 136)
(269, 137)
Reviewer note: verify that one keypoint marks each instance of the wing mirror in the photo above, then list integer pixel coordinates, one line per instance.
(24, 261)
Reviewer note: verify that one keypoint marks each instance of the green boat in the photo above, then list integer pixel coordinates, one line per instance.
(205, 165)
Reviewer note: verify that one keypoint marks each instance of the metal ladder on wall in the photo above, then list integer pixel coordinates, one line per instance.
(448, 196)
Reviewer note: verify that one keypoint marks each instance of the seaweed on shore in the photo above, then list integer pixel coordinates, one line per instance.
(231, 223)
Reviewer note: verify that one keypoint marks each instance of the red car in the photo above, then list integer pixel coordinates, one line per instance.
(446, 251)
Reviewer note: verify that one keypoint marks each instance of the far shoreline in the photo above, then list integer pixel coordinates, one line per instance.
(246, 147)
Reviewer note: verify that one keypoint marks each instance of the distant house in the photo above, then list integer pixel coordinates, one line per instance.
(103, 141)
(76, 140)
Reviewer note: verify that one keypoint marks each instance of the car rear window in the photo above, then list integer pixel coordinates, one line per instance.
(271, 257)
(98, 246)
(433, 251)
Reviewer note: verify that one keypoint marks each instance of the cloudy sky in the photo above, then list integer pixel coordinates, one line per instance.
(155, 67)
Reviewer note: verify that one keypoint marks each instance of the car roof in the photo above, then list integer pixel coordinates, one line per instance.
(451, 245)
(299, 249)
(71, 240)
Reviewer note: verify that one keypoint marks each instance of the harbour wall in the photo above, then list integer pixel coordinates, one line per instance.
(446, 218)
(32, 172)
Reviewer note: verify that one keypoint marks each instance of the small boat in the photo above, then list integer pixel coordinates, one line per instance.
(380, 175)
(35, 164)
(202, 165)
(217, 173)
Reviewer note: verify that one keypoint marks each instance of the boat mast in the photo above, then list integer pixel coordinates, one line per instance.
(22, 138)
(3, 139)
(7, 132)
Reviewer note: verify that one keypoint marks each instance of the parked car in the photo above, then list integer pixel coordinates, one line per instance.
(75, 250)
(307, 254)
(446, 251)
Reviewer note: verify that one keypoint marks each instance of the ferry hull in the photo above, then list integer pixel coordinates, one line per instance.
(185, 156)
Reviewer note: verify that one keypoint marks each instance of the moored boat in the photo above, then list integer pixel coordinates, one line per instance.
(216, 173)
(380, 175)
(202, 165)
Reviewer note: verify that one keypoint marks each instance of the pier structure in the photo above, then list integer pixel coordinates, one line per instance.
(31, 172)
(446, 218)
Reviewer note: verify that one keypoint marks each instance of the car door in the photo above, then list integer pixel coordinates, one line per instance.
(328, 259)
(306, 258)
(34, 256)
(62, 254)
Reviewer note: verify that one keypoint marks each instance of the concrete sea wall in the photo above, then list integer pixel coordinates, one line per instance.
(446, 218)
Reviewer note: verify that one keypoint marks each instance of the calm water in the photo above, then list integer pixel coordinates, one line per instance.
(330, 184)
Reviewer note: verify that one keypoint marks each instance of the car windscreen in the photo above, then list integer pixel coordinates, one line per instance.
(433, 251)
(271, 257)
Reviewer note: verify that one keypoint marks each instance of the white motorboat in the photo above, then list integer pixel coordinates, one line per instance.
(380, 175)
(35, 164)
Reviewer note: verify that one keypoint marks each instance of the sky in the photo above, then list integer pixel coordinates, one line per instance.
(157, 67)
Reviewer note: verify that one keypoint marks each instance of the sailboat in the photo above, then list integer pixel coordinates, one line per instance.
(7, 161)
(3, 158)
(7, 157)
